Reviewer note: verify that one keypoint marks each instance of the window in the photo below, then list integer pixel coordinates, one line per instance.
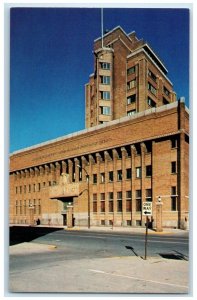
(34, 206)
(148, 194)
(173, 167)
(39, 207)
(128, 173)
(105, 65)
(119, 201)
(151, 102)
(173, 143)
(105, 95)
(111, 204)
(34, 187)
(131, 70)
(102, 177)
(20, 189)
(16, 190)
(138, 200)
(131, 84)
(111, 176)
(152, 89)
(29, 188)
(39, 186)
(131, 112)
(119, 175)
(153, 76)
(173, 198)
(105, 110)
(25, 207)
(148, 171)
(105, 79)
(20, 207)
(131, 99)
(24, 188)
(138, 172)
(94, 178)
(128, 201)
(165, 101)
(94, 203)
(166, 91)
(102, 202)
(16, 207)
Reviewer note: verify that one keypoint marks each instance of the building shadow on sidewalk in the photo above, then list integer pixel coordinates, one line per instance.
(177, 255)
(21, 234)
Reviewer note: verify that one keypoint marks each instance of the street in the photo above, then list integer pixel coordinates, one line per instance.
(71, 255)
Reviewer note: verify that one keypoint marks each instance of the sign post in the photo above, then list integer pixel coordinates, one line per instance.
(146, 211)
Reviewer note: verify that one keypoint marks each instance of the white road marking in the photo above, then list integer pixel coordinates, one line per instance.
(136, 278)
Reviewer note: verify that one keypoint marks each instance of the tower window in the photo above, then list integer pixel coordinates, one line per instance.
(105, 110)
(131, 70)
(105, 95)
(150, 73)
(166, 91)
(131, 112)
(151, 102)
(105, 65)
(151, 88)
(131, 84)
(105, 79)
(131, 99)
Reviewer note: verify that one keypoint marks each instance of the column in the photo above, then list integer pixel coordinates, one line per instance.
(98, 160)
(106, 157)
(133, 175)
(124, 155)
(115, 157)
(63, 166)
(70, 170)
(76, 169)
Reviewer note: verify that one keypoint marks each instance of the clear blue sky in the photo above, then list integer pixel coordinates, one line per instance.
(51, 60)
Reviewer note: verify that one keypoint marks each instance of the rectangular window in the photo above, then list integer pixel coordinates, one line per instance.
(166, 91)
(105, 95)
(111, 176)
(131, 99)
(173, 198)
(119, 175)
(34, 206)
(102, 177)
(148, 194)
(131, 70)
(20, 207)
(111, 203)
(138, 200)
(94, 178)
(131, 112)
(173, 143)
(148, 171)
(94, 203)
(105, 110)
(138, 172)
(34, 187)
(20, 189)
(119, 201)
(29, 188)
(131, 84)
(150, 73)
(25, 207)
(128, 173)
(173, 167)
(24, 189)
(16, 207)
(105, 65)
(39, 186)
(105, 79)
(102, 202)
(128, 201)
(39, 207)
(165, 101)
(152, 89)
(151, 103)
(16, 190)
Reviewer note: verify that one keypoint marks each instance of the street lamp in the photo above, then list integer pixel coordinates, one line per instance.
(88, 178)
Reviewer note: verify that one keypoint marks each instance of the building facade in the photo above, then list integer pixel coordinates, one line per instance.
(135, 149)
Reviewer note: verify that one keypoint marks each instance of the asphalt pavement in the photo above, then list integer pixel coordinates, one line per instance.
(115, 274)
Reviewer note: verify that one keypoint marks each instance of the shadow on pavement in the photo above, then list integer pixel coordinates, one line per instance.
(177, 255)
(20, 234)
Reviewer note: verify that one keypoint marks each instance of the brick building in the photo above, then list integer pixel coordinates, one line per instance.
(135, 149)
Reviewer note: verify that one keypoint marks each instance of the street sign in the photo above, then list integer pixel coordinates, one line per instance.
(147, 209)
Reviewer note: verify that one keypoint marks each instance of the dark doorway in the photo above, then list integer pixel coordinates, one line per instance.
(64, 219)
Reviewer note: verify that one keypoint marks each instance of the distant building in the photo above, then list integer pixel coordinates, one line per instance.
(134, 149)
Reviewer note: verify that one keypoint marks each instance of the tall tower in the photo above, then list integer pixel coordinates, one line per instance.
(128, 78)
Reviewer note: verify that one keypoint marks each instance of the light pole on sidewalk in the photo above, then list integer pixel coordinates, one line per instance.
(88, 179)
